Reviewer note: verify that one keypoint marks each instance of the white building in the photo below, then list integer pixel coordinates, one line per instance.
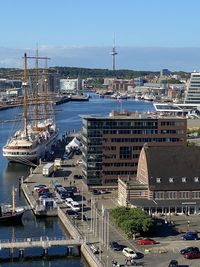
(72, 86)
(192, 95)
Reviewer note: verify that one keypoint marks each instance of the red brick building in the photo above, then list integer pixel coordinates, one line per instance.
(112, 144)
(168, 180)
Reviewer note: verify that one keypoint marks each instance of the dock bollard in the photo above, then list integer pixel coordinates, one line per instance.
(45, 252)
(21, 253)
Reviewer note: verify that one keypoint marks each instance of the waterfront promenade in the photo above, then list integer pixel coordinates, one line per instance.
(96, 232)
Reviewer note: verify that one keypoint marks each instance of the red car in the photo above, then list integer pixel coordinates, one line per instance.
(192, 255)
(146, 241)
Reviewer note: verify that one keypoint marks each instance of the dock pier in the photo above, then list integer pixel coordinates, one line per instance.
(78, 239)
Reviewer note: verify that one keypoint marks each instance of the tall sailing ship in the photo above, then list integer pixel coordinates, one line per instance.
(38, 130)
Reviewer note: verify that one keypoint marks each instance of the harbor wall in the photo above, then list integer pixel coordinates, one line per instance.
(74, 233)
(92, 260)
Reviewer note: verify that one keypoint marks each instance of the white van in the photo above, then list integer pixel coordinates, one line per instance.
(68, 201)
(75, 206)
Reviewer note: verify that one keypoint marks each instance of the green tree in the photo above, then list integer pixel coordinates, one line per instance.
(131, 221)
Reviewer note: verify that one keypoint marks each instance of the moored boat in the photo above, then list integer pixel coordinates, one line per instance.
(10, 213)
(38, 131)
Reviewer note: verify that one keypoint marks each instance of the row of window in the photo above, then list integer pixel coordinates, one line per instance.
(111, 148)
(120, 173)
(127, 131)
(183, 179)
(172, 123)
(175, 194)
(121, 164)
(145, 140)
(121, 124)
(20, 153)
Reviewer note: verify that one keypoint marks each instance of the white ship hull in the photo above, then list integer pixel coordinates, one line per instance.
(26, 156)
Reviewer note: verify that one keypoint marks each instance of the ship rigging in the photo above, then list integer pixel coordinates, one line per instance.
(38, 131)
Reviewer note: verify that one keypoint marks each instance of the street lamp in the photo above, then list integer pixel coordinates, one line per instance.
(188, 225)
(82, 205)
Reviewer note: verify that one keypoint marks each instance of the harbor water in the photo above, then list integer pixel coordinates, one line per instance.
(68, 117)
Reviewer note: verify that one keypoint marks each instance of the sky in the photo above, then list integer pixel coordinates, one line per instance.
(149, 34)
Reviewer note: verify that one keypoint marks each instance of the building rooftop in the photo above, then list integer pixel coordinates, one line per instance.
(133, 183)
(144, 202)
(173, 168)
(133, 115)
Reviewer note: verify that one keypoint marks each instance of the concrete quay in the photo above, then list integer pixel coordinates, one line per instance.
(67, 171)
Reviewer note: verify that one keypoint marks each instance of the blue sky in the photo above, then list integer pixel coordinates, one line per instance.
(75, 32)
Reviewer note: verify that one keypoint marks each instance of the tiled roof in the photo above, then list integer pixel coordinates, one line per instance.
(144, 202)
(177, 167)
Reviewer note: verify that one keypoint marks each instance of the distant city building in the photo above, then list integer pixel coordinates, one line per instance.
(10, 88)
(139, 81)
(112, 144)
(54, 81)
(70, 86)
(118, 85)
(165, 72)
(192, 95)
(168, 181)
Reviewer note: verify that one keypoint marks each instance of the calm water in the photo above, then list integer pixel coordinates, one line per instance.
(68, 118)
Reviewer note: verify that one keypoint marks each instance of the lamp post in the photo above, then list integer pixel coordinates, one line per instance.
(82, 205)
(188, 225)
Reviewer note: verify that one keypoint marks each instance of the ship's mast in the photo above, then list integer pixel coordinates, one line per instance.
(45, 89)
(13, 199)
(25, 84)
(36, 90)
(36, 93)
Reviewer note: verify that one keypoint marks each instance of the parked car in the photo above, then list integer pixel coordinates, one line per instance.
(128, 252)
(190, 236)
(68, 201)
(146, 241)
(42, 191)
(173, 263)
(95, 192)
(78, 216)
(39, 186)
(192, 255)
(75, 206)
(95, 249)
(115, 246)
(102, 191)
(189, 249)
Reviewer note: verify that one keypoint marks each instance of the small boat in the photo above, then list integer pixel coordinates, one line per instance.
(10, 213)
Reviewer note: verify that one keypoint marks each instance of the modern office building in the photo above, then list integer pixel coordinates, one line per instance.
(165, 72)
(192, 95)
(112, 144)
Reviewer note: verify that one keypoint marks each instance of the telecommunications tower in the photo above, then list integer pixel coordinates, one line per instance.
(113, 54)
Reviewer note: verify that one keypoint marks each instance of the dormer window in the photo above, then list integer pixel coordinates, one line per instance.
(171, 180)
(183, 179)
(158, 180)
(196, 179)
